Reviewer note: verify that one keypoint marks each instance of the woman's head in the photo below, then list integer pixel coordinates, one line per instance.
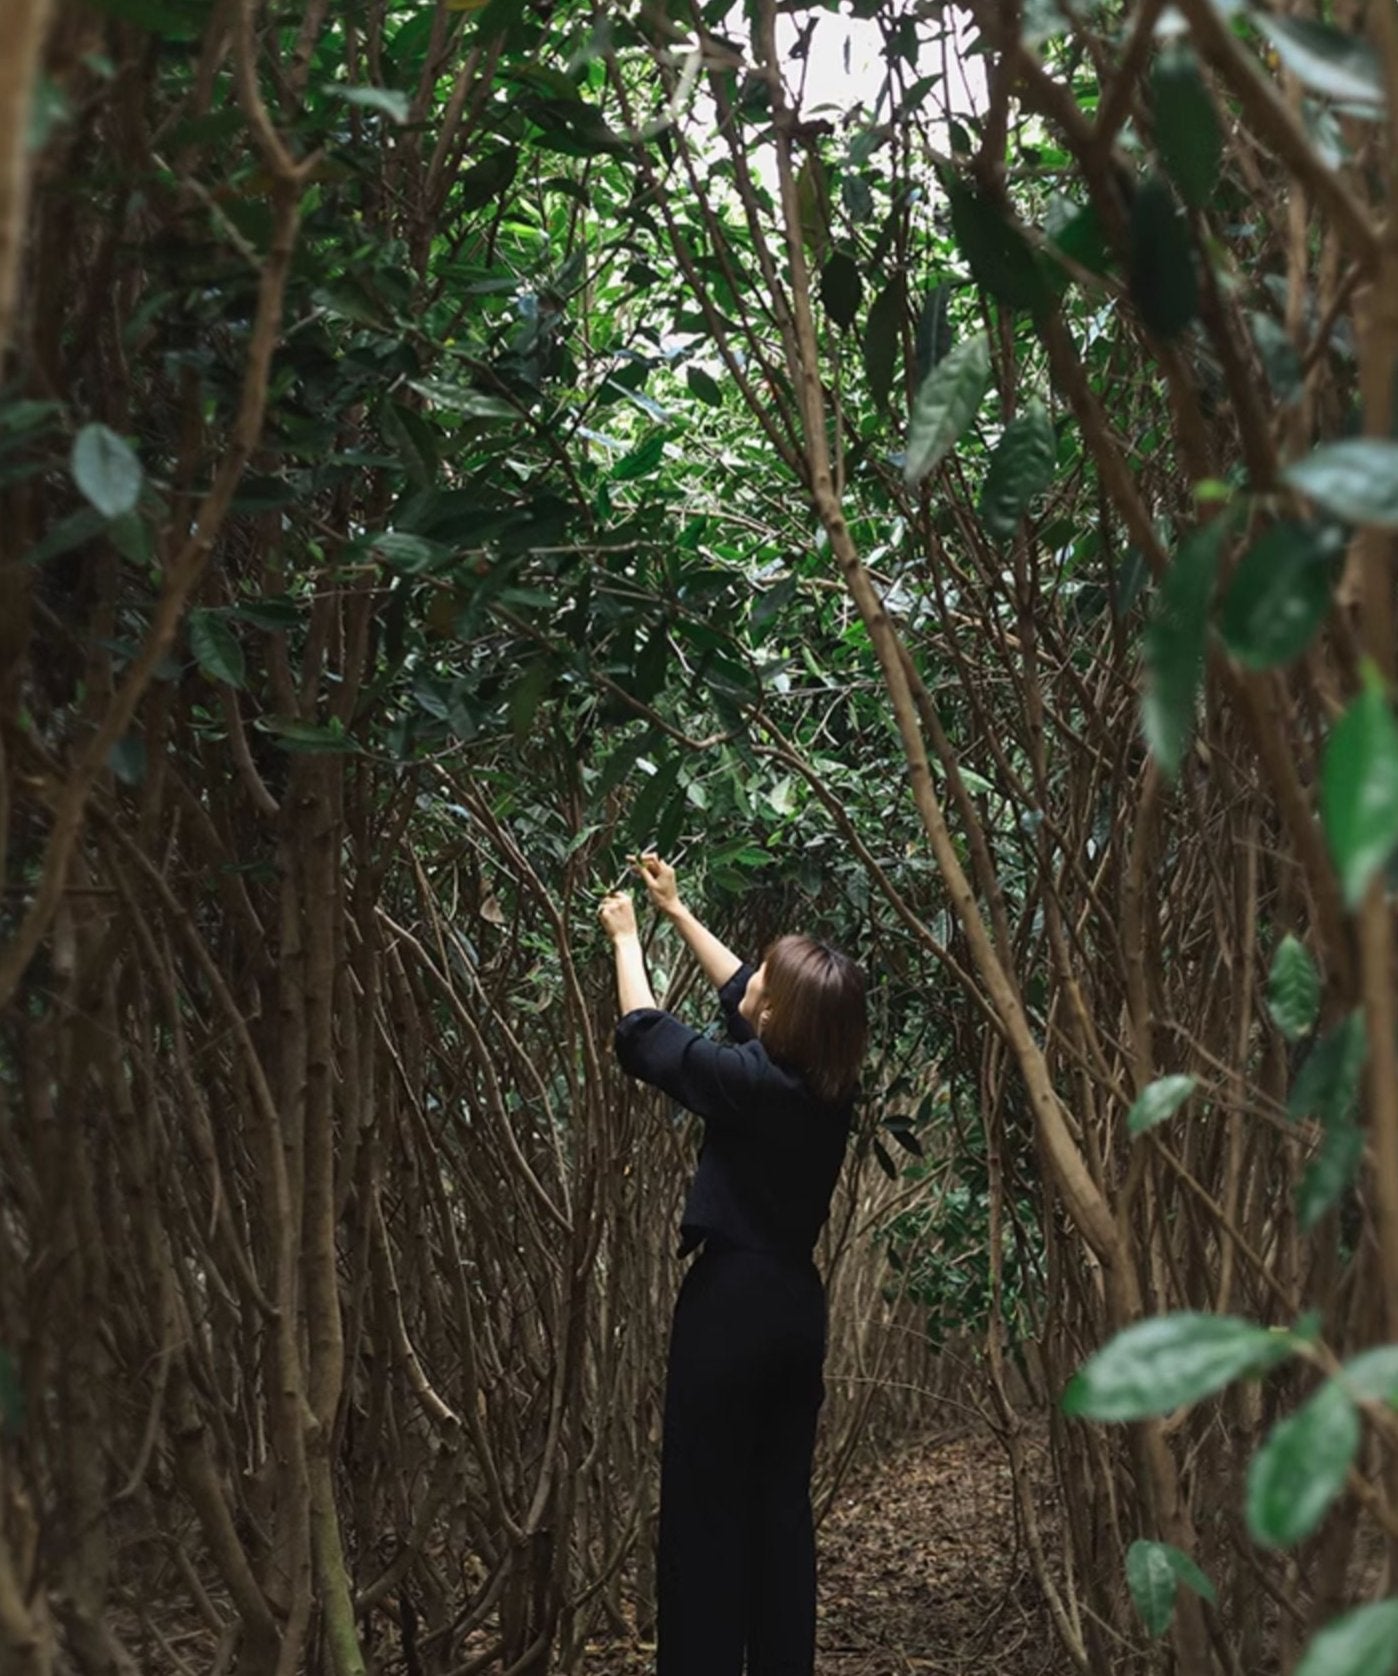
(806, 1002)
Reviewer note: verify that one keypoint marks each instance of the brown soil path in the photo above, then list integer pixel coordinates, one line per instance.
(922, 1573)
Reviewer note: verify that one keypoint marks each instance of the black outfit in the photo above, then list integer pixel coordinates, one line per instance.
(736, 1566)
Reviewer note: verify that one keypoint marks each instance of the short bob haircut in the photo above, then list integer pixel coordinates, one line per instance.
(814, 1016)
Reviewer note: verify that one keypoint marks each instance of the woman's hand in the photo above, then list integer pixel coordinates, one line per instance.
(660, 882)
(618, 915)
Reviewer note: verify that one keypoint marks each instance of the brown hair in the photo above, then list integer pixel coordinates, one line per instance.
(814, 1017)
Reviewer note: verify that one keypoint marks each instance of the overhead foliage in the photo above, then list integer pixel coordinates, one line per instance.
(446, 447)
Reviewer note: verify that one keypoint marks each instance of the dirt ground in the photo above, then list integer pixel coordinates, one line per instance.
(922, 1573)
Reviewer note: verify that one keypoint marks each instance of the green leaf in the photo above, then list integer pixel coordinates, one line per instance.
(1021, 467)
(66, 534)
(1159, 1101)
(1187, 133)
(1280, 593)
(1161, 276)
(1361, 1643)
(649, 802)
(484, 181)
(276, 615)
(412, 554)
(1293, 989)
(1278, 355)
(1359, 790)
(1329, 1173)
(642, 460)
(1153, 1569)
(127, 759)
(1356, 479)
(1372, 1375)
(935, 335)
(11, 1397)
(1301, 1468)
(1001, 259)
(883, 338)
(1188, 1573)
(461, 398)
(813, 203)
(526, 696)
(1323, 58)
(216, 648)
(387, 101)
(704, 386)
(1157, 1365)
(106, 470)
(1152, 1582)
(1327, 1084)
(1174, 644)
(841, 289)
(412, 439)
(948, 401)
(294, 735)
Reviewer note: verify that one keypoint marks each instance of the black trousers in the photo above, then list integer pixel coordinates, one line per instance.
(736, 1568)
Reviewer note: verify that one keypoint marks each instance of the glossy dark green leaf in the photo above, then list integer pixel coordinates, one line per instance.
(1077, 233)
(883, 338)
(1158, 1102)
(813, 203)
(1153, 1572)
(1329, 1173)
(1293, 989)
(1323, 58)
(1174, 644)
(1161, 278)
(216, 648)
(1021, 468)
(1152, 1582)
(841, 289)
(1359, 1643)
(1278, 354)
(484, 181)
(127, 759)
(275, 615)
(1359, 790)
(704, 386)
(1327, 1083)
(1187, 133)
(654, 793)
(412, 438)
(70, 532)
(642, 460)
(934, 336)
(1001, 259)
(1280, 593)
(1372, 1375)
(106, 470)
(1160, 1364)
(1301, 1468)
(947, 402)
(309, 737)
(414, 555)
(1356, 479)
(384, 101)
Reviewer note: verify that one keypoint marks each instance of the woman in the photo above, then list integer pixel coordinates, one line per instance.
(736, 1567)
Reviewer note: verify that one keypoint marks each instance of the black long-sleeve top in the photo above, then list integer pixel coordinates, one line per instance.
(771, 1150)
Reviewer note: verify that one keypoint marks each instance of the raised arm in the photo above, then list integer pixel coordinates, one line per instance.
(632, 985)
(718, 962)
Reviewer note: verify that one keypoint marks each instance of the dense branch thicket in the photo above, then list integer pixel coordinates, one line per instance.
(445, 446)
